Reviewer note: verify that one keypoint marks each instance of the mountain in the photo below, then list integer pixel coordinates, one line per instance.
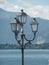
(7, 36)
(5, 29)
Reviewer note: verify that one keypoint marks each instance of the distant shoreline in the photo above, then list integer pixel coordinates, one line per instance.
(31, 46)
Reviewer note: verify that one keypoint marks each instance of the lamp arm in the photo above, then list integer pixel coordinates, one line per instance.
(18, 40)
(29, 41)
(32, 38)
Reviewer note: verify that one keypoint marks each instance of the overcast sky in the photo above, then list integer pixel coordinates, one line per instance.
(34, 8)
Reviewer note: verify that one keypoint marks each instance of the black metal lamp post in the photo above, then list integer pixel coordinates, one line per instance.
(17, 27)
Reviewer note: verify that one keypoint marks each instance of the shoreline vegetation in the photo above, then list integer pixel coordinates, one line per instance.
(28, 46)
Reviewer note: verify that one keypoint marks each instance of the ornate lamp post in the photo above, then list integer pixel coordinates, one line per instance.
(17, 27)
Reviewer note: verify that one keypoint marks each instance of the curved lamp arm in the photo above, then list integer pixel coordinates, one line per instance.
(17, 39)
(32, 38)
(29, 41)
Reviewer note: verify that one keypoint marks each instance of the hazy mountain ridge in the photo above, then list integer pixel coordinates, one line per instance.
(7, 36)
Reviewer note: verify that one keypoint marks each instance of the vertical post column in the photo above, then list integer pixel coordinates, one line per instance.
(22, 56)
(22, 48)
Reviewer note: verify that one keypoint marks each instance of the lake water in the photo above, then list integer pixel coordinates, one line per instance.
(32, 57)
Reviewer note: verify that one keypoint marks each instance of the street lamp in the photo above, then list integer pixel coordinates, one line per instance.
(22, 17)
(17, 27)
(34, 25)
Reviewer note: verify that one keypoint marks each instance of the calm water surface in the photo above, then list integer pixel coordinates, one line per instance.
(32, 57)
